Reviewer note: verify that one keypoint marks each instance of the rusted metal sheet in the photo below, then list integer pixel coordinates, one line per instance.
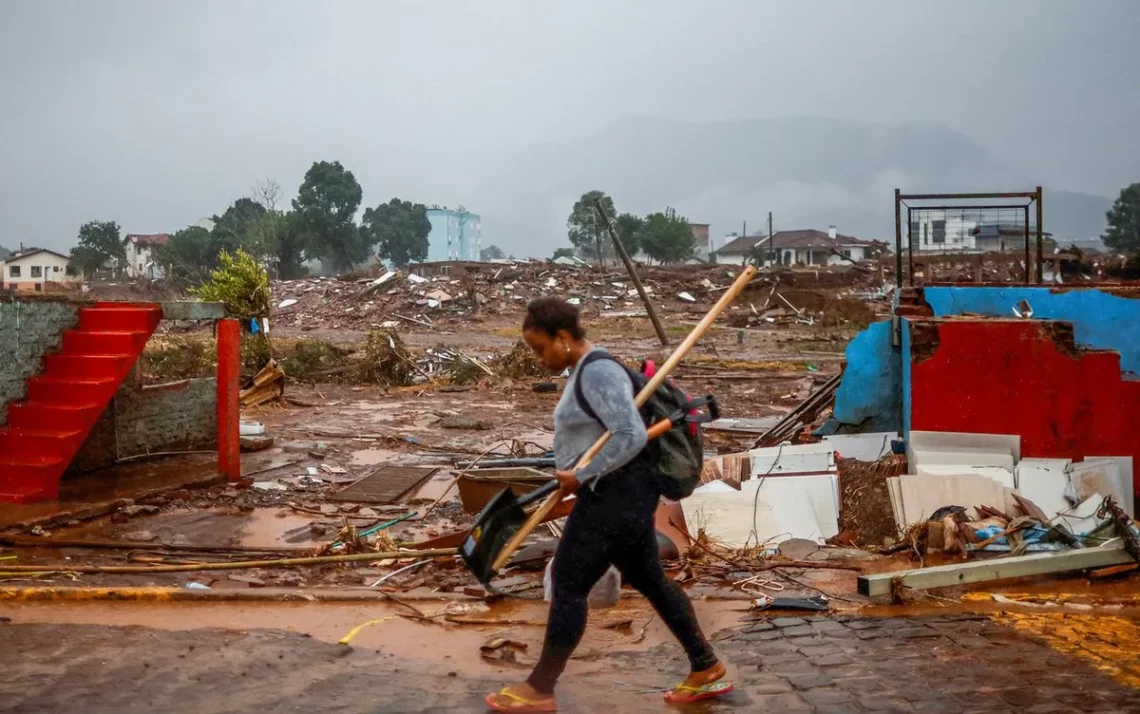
(385, 485)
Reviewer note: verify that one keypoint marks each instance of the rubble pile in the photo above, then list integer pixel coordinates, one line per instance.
(385, 361)
(405, 298)
(520, 363)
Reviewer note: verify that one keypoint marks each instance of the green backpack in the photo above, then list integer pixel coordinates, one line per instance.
(678, 454)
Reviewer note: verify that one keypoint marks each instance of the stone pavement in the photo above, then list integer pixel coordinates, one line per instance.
(953, 664)
(931, 665)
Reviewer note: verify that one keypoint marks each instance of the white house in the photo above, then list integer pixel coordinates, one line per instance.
(38, 270)
(939, 231)
(142, 255)
(799, 247)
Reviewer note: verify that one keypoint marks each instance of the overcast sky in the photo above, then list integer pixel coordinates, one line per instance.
(154, 113)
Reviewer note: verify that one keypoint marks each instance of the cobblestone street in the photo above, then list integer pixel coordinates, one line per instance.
(945, 665)
(938, 665)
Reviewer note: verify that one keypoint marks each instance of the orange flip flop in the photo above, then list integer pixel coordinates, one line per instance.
(519, 704)
(685, 694)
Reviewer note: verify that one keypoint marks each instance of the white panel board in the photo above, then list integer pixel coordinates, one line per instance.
(864, 447)
(776, 508)
(1001, 475)
(1043, 481)
(792, 459)
(923, 495)
(962, 456)
(1124, 471)
(953, 440)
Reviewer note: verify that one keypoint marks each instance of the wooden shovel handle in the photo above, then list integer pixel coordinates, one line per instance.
(643, 396)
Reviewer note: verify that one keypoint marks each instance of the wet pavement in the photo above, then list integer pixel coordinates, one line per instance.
(953, 664)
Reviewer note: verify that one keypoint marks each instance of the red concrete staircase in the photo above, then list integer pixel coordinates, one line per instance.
(45, 431)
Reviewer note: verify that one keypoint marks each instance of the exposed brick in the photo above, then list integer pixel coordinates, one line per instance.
(174, 417)
(29, 329)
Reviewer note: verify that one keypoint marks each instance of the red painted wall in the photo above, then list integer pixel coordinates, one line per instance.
(1015, 377)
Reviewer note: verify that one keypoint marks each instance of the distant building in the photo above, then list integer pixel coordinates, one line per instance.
(38, 270)
(799, 247)
(207, 223)
(455, 235)
(142, 255)
(942, 232)
(701, 240)
(1000, 237)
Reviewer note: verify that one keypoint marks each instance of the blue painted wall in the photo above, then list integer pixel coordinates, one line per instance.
(904, 389)
(1100, 321)
(454, 235)
(868, 399)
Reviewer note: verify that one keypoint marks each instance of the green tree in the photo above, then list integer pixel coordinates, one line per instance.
(585, 228)
(325, 208)
(628, 228)
(99, 242)
(492, 252)
(4, 253)
(273, 238)
(399, 229)
(1123, 233)
(667, 238)
(189, 255)
(563, 253)
(241, 283)
(232, 228)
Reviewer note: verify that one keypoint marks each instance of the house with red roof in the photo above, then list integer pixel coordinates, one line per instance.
(798, 247)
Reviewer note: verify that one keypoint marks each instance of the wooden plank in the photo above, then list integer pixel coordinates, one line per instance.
(996, 569)
(895, 490)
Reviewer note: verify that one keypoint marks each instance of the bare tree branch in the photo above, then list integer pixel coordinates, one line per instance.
(267, 193)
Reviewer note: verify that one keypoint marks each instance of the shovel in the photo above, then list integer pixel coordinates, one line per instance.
(503, 525)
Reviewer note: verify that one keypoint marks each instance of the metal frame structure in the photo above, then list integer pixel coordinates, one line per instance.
(1032, 198)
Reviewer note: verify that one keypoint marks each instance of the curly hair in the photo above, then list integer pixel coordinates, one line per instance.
(550, 315)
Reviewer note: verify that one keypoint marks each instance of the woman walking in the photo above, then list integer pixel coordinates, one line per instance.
(612, 521)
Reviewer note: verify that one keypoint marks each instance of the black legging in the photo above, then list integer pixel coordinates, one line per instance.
(613, 526)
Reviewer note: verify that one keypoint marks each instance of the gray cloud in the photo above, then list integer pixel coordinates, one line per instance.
(156, 112)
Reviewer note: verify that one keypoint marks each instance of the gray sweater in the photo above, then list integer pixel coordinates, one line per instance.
(608, 390)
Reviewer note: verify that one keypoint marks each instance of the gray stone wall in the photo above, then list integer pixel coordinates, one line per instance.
(180, 416)
(29, 329)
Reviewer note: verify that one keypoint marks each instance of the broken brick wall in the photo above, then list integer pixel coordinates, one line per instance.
(29, 329)
(1103, 318)
(180, 416)
(1026, 377)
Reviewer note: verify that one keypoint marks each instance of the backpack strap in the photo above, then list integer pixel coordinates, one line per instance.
(584, 405)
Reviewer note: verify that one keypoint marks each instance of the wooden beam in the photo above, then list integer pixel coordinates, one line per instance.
(994, 569)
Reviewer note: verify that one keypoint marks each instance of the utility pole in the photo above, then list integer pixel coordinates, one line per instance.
(632, 274)
(771, 237)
